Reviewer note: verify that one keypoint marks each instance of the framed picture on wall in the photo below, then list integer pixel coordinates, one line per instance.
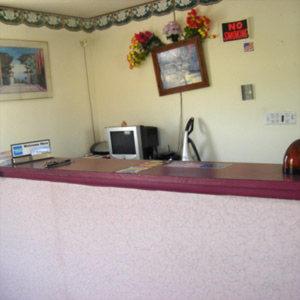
(180, 67)
(24, 70)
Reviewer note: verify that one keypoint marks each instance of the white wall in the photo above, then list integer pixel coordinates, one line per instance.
(227, 129)
(64, 118)
(66, 241)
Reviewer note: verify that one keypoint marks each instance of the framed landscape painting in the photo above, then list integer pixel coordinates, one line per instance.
(180, 67)
(24, 70)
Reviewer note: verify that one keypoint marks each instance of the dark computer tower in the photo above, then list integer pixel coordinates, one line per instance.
(149, 138)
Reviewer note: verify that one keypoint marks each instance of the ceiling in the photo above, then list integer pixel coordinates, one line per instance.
(80, 8)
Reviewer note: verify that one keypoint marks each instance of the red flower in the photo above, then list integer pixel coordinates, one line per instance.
(192, 12)
(143, 37)
(193, 20)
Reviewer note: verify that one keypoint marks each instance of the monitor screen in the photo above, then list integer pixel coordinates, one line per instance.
(122, 142)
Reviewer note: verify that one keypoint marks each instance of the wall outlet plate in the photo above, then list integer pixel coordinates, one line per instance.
(280, 118)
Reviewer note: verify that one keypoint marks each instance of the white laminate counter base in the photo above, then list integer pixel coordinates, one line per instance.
(67, 241)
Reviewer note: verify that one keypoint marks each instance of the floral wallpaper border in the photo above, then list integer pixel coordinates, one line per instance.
(15, 16)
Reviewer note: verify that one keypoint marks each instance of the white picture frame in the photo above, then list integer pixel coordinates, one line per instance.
(24, 70)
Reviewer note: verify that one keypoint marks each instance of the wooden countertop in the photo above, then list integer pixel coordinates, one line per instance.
(240, 179)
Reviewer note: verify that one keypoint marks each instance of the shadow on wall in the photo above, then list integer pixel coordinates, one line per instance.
(205, 144)
(168, 141)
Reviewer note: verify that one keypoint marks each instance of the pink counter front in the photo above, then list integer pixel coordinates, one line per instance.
(84, 231)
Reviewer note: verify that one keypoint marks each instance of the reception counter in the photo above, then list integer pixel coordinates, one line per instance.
(239, 179)
(91, 230)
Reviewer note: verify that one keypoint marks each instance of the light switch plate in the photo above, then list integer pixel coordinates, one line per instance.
(247, 92)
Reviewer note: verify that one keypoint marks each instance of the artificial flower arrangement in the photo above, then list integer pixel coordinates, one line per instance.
(141, 45)
(172, 31)
(143, 42)
(197, 26)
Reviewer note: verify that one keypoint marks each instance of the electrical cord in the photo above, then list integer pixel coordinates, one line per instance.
(83, 44)
(180, 133)
(190, 141)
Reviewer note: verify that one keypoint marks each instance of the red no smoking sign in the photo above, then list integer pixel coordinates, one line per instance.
(235, 30)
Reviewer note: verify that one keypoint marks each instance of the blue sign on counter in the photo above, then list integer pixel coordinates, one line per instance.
(30, 148)
(17, 150)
